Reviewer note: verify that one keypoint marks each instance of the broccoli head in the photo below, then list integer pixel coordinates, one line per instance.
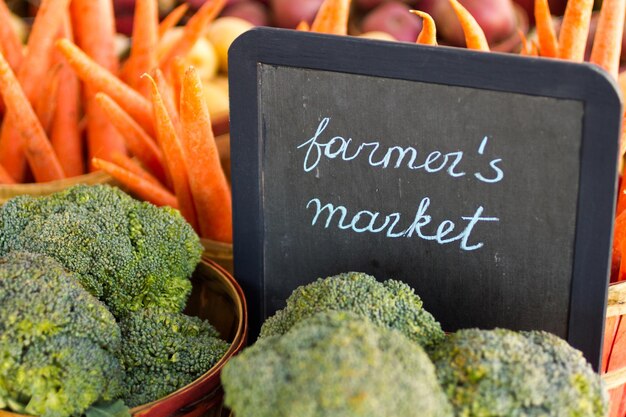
(334, 363)
(58, 344)
(127, 253)
(162, 352)
(391, 304)
(499, 372)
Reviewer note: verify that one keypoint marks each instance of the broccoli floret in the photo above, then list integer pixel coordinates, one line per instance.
(391, 304)
(334, 363)
(127, 253)
(58, 344)
(162, 352)
(489, 373)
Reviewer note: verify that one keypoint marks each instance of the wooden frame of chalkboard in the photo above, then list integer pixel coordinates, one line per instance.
(442, 66)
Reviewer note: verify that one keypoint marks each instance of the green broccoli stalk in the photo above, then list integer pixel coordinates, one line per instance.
(338, 364)
(162, 352)
(390, 304)
(58, 343)
(499, 372)
(127, 253)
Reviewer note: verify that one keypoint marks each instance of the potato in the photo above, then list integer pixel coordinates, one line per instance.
(222, 32)
(202, 56)
(394, 18)
(252, 11)
(288, 13)
(382, 36)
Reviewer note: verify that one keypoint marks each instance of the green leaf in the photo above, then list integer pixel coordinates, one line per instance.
(108, 409)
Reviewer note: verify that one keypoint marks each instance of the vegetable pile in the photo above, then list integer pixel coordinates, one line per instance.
(161, 120)
(92, 288)
(340, 348)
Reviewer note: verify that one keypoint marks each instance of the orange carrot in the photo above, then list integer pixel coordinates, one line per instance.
(100, 79)
(143, 57)
(209, 187)
(169, 99)
(43, 161)
(528, 48)
(303, 26)
(143, 188)
(94, 24)
(194, 29)
(332, 17)
(10, 44)
(172, 19)
(46, 104)
(176, 77)
(137, 140)
(428, 35)
(607, 45)
(132, 166)
(474, 35)
(66, 136)
(5, 178)
(548, 45)
(174, 157)
(31, 75)
(575, 29)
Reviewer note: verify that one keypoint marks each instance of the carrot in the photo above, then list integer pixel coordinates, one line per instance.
(169, 99)
(31, 75)
(66, 137)
(428, 34)
(528, 48)
(209, 187)
(176, 76)
(474, 35)
(607, 45)
(303, 26)
(621, 199)
(174, 156)
(575, 29)
(332, 17)
(140, 186)
(194, 29)
(94, 24)
(43, 161)
(132, 166)
(10, 44)
(137, 140)
(5, 178)
(548, 45)
(172, 19)
(102, 80)
(45, 108)
(143, 57)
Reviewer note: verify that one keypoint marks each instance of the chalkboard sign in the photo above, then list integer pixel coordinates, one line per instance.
(485, 181)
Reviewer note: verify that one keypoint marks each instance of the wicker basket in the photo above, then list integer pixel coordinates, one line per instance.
(614, 350)
(39, 189)
(217, 297)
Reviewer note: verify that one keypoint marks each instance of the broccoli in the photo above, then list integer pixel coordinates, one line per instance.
(58, 344)
(127, 253)
(162, 352)
(338, 364)
(391, 304)
(499, 372)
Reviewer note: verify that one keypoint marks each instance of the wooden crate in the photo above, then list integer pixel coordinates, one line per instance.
(614, 350)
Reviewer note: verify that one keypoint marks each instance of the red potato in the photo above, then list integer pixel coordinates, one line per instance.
(557, 7)
(124, 24)
(288, 13)
(368, 4)
(252, 11)
(495, 17)
(393, 18)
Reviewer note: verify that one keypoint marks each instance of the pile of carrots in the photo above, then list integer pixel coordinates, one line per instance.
(151, 107)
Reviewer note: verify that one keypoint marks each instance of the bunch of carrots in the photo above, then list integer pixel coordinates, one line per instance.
(151, 107)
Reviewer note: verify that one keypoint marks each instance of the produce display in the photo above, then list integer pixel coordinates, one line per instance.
(92, 288)
(332, 360)
(334, 363)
